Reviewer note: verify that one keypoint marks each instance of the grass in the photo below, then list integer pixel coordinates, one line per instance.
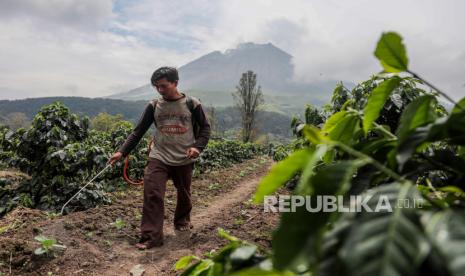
(214, 186)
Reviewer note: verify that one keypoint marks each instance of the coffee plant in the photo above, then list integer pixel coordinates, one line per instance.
(48, 246)
(233, 257)
(387, 138)
(60, 153)
(221, 154)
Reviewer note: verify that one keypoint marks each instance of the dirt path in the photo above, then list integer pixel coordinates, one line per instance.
(96, 247)
(159, 261)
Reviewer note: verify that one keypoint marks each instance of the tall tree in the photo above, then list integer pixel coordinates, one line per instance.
(248, 97)
(212, 118)
(106, 122)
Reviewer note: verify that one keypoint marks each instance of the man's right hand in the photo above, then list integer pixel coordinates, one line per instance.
(116, 156)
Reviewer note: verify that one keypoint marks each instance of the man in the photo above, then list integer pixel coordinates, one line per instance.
(173, 154)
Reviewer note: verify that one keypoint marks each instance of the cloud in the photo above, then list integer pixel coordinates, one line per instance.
(86, 14)
(96, 48)
(75, 56)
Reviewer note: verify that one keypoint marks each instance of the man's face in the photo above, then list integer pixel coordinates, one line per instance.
(164, 87)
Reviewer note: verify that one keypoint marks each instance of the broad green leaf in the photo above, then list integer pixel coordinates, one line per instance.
(345, 131)
(222, 233)
(313, 135)
(450, 128)
(376, 101)
(184, 262)
(452, 189)
(40, 251)
(409, 146)
(40, 238)
(372, 146)
(243, 254)
(329, 262)
(295, 242)
(48, 243)
(333, 121)
(198, 268)
(459, 107)
(391, 53)
(308, 170)
(224, 252)
(461, 151)
(281, 172)
(417, 113)
(387, 239)
(446, 230)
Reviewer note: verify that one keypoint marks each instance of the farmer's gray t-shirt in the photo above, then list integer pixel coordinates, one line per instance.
(174, 134)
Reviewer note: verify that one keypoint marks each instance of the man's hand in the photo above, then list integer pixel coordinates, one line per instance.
(116, 156)
(192, 153)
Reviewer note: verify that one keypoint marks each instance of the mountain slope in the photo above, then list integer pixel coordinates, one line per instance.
(215, 75)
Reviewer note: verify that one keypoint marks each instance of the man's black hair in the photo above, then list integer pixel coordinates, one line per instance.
(170, 73)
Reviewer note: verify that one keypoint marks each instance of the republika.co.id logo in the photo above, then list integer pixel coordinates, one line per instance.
(332, 203)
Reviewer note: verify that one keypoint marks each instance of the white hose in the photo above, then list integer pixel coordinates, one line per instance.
(62, 208)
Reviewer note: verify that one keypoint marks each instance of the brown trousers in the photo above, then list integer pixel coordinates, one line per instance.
(156, 175)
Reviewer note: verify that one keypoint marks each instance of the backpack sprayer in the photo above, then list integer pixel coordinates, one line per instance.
(125, 176)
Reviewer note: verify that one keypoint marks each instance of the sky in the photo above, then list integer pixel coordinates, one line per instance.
(94, 48)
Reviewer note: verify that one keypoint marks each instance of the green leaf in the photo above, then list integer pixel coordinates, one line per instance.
(452, 189)
(346, 130)
(202, 267)
(40, 238)
(446, 229)
(376, 101)
(450, 128)
(243, 254)
(391, 53)
(222, 233)
(295, 242)
(40, 251)
(281, 172)
(198, 268)
(313, 135)
(184, 262)
(333, 121)
(459, 107)
(317, 155)
(386, 241)
(372, 146)
(224, 253)
(417, 113)
(329, 262)
(48, 243)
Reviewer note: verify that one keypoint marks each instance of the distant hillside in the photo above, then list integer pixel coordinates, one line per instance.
(227, 117)
(214, 76)
(79, 105)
